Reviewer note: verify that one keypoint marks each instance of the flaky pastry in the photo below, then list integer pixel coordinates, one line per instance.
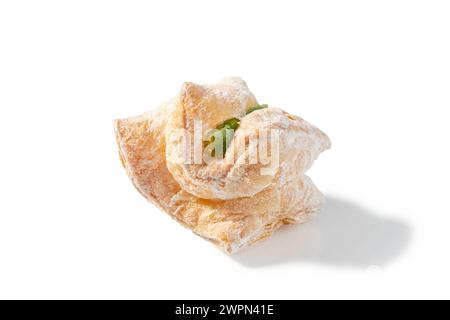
(236, 200)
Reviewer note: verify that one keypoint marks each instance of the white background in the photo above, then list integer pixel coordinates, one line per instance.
(374, 75)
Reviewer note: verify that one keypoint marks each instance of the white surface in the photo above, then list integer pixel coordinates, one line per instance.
(374, 75)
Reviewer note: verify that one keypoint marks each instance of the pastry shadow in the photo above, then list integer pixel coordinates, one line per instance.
(342, 234)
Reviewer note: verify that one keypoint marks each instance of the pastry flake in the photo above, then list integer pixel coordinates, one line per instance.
(240, 197)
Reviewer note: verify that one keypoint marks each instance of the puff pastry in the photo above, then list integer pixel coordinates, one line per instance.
(233, 202)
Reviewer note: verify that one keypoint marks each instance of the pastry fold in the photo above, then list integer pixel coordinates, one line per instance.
(233, 202)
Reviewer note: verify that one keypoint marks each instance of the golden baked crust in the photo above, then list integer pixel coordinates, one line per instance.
(226, 216)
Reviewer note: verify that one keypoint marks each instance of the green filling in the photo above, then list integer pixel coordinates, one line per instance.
(232, 124)
(222, 138)
(257, 107)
